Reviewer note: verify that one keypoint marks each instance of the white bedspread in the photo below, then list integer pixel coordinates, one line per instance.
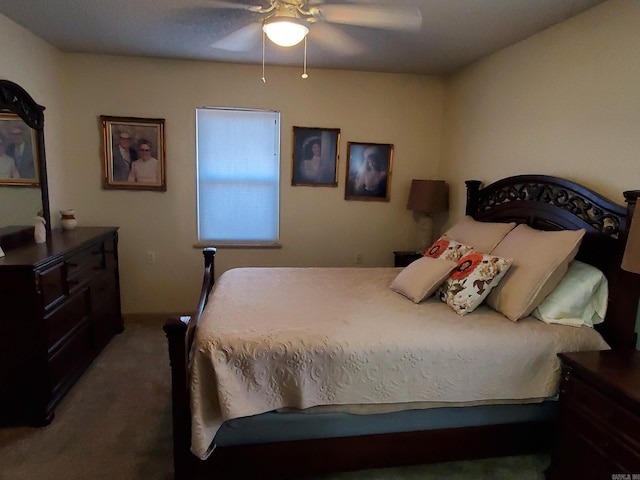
(300, 337)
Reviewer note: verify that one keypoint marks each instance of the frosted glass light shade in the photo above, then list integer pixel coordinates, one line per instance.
(285, 32)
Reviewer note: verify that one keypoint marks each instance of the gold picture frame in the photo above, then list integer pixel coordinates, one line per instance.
(369, 168)
(19, 153)
(134, 153)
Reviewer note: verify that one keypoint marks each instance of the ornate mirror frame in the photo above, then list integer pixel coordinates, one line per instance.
(15, 99)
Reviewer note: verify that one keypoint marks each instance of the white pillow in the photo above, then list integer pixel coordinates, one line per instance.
(421, 278)
(579, 299)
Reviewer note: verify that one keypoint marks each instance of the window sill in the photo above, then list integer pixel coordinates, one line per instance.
(234, 245)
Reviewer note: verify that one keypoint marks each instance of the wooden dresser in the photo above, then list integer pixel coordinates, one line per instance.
(60, 305)
(599, 416)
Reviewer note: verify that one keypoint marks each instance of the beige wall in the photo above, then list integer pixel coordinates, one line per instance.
(318, 227)
(564, 102)
(34, 65)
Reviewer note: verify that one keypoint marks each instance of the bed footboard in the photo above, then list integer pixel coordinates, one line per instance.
(176, 331)
(180, 332)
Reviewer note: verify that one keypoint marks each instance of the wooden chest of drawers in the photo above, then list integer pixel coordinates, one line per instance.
(60, 305)
(599, 416)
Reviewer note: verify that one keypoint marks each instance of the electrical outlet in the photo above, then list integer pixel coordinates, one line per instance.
(359, 258)
(151, 257)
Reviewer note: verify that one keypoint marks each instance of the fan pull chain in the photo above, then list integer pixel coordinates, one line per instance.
(264, 80)
(304, 66)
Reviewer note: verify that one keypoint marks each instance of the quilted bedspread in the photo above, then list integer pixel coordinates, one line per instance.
(273, 338)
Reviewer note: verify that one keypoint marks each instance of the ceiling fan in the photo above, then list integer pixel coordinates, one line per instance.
(286, 23)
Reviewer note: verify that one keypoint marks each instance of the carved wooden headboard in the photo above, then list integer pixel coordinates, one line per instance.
(552, 203)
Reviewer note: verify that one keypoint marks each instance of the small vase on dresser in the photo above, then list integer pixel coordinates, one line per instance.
(68, 219)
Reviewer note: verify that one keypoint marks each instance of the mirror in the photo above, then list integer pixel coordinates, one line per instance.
(23, 171)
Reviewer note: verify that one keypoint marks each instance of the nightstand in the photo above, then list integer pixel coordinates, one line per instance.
(598, 417)
(404, 258)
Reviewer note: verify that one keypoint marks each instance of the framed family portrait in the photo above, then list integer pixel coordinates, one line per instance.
(315, 156)
(19, 154)
(134, 153)
(368, 171)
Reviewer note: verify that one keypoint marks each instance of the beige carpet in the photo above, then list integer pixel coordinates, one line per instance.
(115, 424)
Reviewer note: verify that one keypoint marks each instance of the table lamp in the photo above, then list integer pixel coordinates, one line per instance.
(427, 197)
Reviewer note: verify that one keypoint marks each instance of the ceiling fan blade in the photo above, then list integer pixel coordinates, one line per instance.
(241, 40)
(374, 16)
(236, 6)
(330, 38)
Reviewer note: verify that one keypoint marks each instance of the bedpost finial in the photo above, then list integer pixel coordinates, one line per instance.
(473, 189)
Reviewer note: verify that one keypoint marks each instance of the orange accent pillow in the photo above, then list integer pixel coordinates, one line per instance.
(447, 249)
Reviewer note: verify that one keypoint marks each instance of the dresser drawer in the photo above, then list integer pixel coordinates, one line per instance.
(606, 444)
(83, 266)
(602, 410)
(69, 359)
(103, 290)
(575, 458)
(51, 285)
(61, 321)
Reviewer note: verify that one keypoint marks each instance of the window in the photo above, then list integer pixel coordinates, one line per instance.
(238, 170)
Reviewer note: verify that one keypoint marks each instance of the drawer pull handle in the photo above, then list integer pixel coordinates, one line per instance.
(71, 264)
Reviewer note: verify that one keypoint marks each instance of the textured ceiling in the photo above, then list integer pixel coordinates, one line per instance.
(454, 33)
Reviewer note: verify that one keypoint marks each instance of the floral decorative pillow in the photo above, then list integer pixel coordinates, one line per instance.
(472, 280)
(447, 249)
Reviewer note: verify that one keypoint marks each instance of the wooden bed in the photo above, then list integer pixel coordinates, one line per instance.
(542, 202)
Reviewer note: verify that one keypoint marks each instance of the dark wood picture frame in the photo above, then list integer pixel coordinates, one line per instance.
(19, 153)
(134, 153)
(315, 156)
(369, 168)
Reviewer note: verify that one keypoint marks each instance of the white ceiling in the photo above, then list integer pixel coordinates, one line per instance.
(454, 33)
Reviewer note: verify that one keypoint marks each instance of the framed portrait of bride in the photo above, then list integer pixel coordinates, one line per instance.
(315, 156)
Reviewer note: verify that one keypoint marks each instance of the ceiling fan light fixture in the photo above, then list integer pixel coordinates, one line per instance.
(285, 31)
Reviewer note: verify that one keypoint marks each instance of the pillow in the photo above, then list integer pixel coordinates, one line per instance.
(482, 236)
(419, 279)
(447, 249)
(579, 299)
(472, 280)
(540, 260)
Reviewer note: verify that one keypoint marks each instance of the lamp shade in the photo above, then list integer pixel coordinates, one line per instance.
(631, 258)
(428, 196)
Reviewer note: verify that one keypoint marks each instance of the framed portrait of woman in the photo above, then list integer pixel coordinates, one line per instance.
(315, 156)
(369, 171)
